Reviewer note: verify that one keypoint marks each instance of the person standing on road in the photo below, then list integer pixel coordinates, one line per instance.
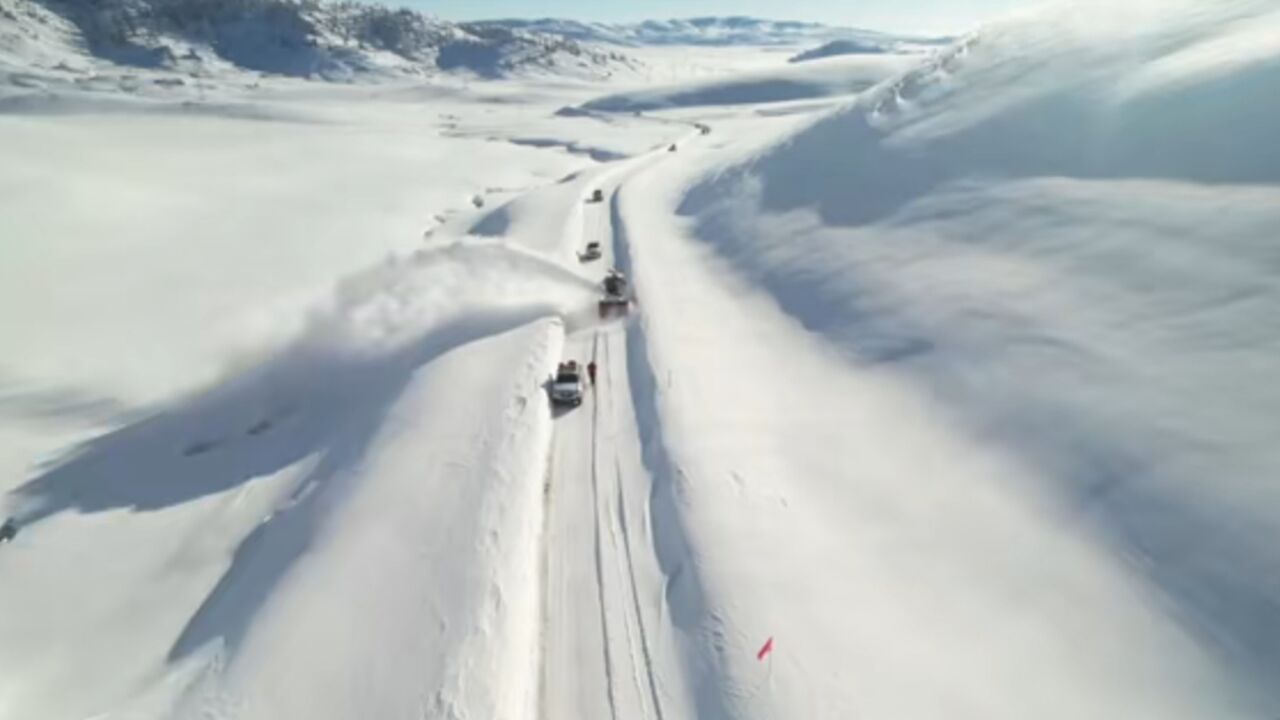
(591, 371)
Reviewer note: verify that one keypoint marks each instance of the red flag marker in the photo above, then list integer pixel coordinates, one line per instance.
(765, 650)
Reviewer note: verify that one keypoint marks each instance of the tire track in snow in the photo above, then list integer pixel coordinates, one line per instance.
(692, 680)
(570, 646)
(637, 607)
(625, 575)
(649, 699)
(544, 574)
(599, 549)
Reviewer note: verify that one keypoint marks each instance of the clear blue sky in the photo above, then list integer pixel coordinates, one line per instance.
(924, 16)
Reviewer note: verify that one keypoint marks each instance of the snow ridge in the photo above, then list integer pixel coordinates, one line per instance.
(842, 47)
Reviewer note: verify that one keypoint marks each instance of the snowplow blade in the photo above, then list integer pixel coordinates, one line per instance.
(613, 307)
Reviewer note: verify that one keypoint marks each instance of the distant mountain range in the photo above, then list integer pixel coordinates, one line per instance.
(301, 38)
(345, 40)
(705, 31)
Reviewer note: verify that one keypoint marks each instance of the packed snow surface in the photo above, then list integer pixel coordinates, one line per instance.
(945, 388)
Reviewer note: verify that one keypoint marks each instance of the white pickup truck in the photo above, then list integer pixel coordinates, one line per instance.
(566, 386)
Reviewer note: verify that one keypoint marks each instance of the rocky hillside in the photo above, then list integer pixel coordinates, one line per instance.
(300, 38)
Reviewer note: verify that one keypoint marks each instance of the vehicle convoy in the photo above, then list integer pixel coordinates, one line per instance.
(615, 299)
(566, 386)
(592, 252)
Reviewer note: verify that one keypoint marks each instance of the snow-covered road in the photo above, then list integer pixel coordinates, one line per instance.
(607, 648)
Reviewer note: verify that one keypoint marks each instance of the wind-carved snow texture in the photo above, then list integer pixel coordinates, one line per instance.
(1063, 228)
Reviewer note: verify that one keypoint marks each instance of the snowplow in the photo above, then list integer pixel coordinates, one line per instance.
(597, 196)
(615, 299)
(566, 385)
(591, 252)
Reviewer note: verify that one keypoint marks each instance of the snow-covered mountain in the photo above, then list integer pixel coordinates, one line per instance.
(300, 38)
(705, 31)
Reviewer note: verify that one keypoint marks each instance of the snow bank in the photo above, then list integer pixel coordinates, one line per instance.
(419, 583)
(1060, 230)
(389, 317)
(548, 220)
(249, 481)
(223, 527)
(903, 569)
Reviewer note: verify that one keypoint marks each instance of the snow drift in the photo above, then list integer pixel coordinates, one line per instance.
(841, 47)
(829, 78)
(1061, 230)
(298, 494)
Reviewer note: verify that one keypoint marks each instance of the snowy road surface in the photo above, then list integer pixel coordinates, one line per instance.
(607, 651)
